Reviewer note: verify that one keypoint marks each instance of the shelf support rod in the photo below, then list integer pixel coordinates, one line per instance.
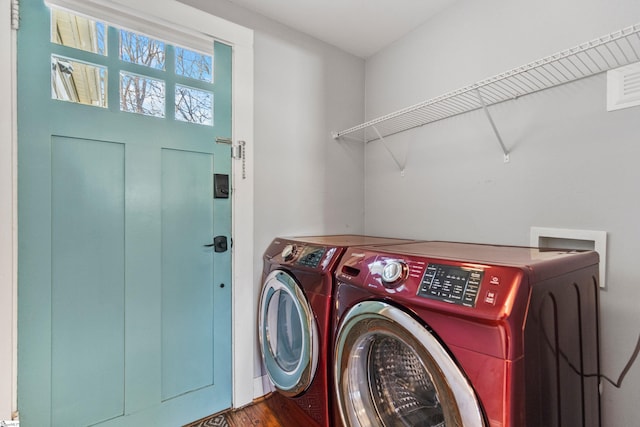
(493, 125)
(384, 143)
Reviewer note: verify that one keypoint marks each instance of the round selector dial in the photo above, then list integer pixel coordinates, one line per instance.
(288, 252)
(394, 272)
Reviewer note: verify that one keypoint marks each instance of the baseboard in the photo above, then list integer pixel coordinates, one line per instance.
(262, 386)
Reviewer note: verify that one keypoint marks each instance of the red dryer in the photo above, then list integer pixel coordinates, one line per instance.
(454, 334)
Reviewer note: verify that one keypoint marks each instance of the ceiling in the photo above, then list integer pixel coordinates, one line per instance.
(360, 27)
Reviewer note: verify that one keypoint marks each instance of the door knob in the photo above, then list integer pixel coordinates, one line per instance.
(219, 244)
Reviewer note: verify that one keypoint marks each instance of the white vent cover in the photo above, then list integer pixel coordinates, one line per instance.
(623, 87)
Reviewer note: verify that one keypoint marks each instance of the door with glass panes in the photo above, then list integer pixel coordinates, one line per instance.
(124, 317)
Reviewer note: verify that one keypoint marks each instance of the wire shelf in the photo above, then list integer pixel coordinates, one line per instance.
(585, 60)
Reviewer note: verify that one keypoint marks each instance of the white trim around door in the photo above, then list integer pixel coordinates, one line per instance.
(8, 218)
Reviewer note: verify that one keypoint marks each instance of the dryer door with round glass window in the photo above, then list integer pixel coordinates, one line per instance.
(391, 371)
(288, 334)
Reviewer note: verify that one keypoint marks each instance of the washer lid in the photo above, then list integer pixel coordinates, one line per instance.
(390, 370)
(288, 334)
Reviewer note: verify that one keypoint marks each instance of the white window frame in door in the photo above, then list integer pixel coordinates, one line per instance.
(183, 19)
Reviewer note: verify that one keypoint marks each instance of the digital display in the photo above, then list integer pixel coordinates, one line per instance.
(311, 256)
(451, 284)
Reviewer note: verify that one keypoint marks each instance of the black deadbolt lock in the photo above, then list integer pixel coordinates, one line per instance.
(220, 186)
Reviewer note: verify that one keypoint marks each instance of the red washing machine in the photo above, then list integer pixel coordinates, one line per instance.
(454, 334)
(295, 316)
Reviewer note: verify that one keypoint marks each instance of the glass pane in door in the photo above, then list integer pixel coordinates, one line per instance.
(79, 32)
(142, 95)
(79, 82)
(140, 49)
(194, 106)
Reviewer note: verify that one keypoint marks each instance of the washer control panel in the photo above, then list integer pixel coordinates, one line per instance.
(301, 255)
(451, 284)
(459, 282)
(311, 256)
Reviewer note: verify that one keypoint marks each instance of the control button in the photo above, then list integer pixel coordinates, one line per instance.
(288, 252)
(456, 296)
(470, 298)
(490, 298)
(394, 272)
(495, 280)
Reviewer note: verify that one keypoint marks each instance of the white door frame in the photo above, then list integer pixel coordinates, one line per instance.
(8, 218)
(173, 13)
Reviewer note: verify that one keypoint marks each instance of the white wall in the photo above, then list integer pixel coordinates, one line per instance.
(305, 182)
(573, 165)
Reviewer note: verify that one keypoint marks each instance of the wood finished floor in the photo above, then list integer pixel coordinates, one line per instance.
(270, 411)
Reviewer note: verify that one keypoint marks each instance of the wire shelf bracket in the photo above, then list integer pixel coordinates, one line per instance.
(611, 51)
(384, 143)
(493, 126)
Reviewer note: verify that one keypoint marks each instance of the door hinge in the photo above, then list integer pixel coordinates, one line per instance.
(15, 14)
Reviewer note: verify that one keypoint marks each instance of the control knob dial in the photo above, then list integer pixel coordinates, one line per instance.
(288, 252)
(394, 272)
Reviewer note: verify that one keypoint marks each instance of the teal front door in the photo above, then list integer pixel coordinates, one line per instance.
(124, 311)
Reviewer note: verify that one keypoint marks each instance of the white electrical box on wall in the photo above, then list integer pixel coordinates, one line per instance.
(565, 238)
